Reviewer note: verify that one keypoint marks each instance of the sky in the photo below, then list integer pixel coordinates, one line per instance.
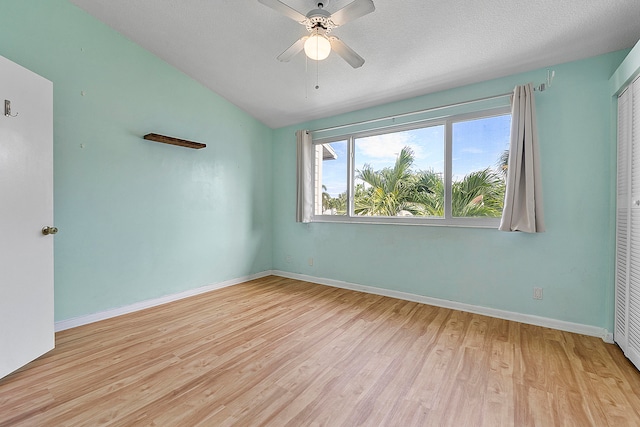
(476, 145)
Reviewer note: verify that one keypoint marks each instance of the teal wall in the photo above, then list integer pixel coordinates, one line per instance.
(573, 261)
(139, 219)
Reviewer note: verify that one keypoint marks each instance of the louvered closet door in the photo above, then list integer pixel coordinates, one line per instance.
(623, 203)
(633, 330)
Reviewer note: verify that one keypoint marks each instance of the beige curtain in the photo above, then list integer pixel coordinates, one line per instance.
(304, 199)
(523, 197)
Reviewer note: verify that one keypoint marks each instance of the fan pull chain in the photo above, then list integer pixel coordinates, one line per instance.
(306, 77)
(317, 74)
(317, 63)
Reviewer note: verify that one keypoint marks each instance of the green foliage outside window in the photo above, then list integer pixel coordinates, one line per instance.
(402, 191)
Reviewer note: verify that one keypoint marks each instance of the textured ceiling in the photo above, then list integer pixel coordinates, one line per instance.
(411, 47)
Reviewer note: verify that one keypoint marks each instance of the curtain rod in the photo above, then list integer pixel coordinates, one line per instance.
(397, 116)
(538, 88)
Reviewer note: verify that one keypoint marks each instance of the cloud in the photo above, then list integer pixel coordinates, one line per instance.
(384, 146)
(472, 150)
(382, 150)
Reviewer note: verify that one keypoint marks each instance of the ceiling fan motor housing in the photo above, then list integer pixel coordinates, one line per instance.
(319, 18)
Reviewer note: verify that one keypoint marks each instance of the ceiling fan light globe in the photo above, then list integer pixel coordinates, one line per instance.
(317, 47)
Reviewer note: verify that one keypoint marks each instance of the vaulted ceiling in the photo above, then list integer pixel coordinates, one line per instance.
(411, 47)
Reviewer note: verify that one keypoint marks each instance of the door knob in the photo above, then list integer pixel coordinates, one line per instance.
(49, 230)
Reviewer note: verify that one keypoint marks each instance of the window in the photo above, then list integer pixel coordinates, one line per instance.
(447, 171)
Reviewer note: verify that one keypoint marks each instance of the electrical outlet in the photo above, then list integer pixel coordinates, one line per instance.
(310, 261)
(537, 293)
(287, 259)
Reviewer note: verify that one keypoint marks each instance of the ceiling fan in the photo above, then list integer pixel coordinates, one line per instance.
(319, 23)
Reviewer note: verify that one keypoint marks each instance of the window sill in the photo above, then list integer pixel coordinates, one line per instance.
(432, 222)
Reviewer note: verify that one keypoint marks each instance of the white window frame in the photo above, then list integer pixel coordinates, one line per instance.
(448, 219)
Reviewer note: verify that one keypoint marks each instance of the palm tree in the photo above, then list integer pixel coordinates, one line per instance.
(503, 162)
(480, 193)
(338, 205)
(431, 193)
(390, 191)
(326, 198)
(397, 190)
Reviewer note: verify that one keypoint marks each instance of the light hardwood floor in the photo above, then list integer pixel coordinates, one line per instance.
(282, 352)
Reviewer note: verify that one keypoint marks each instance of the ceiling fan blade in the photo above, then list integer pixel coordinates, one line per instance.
(346, 52)
(284, 9)
(293, 50)
(353, 10)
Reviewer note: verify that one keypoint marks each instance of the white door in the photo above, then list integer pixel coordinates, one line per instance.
(26, 206)
(633, 292)
(623, 218)
(627, 311)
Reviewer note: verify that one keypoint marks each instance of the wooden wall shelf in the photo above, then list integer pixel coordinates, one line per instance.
(174, 141)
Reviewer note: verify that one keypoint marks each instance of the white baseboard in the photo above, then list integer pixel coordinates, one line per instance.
(608, 337)
(492, 312)
(476, 309)
(107, 314)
